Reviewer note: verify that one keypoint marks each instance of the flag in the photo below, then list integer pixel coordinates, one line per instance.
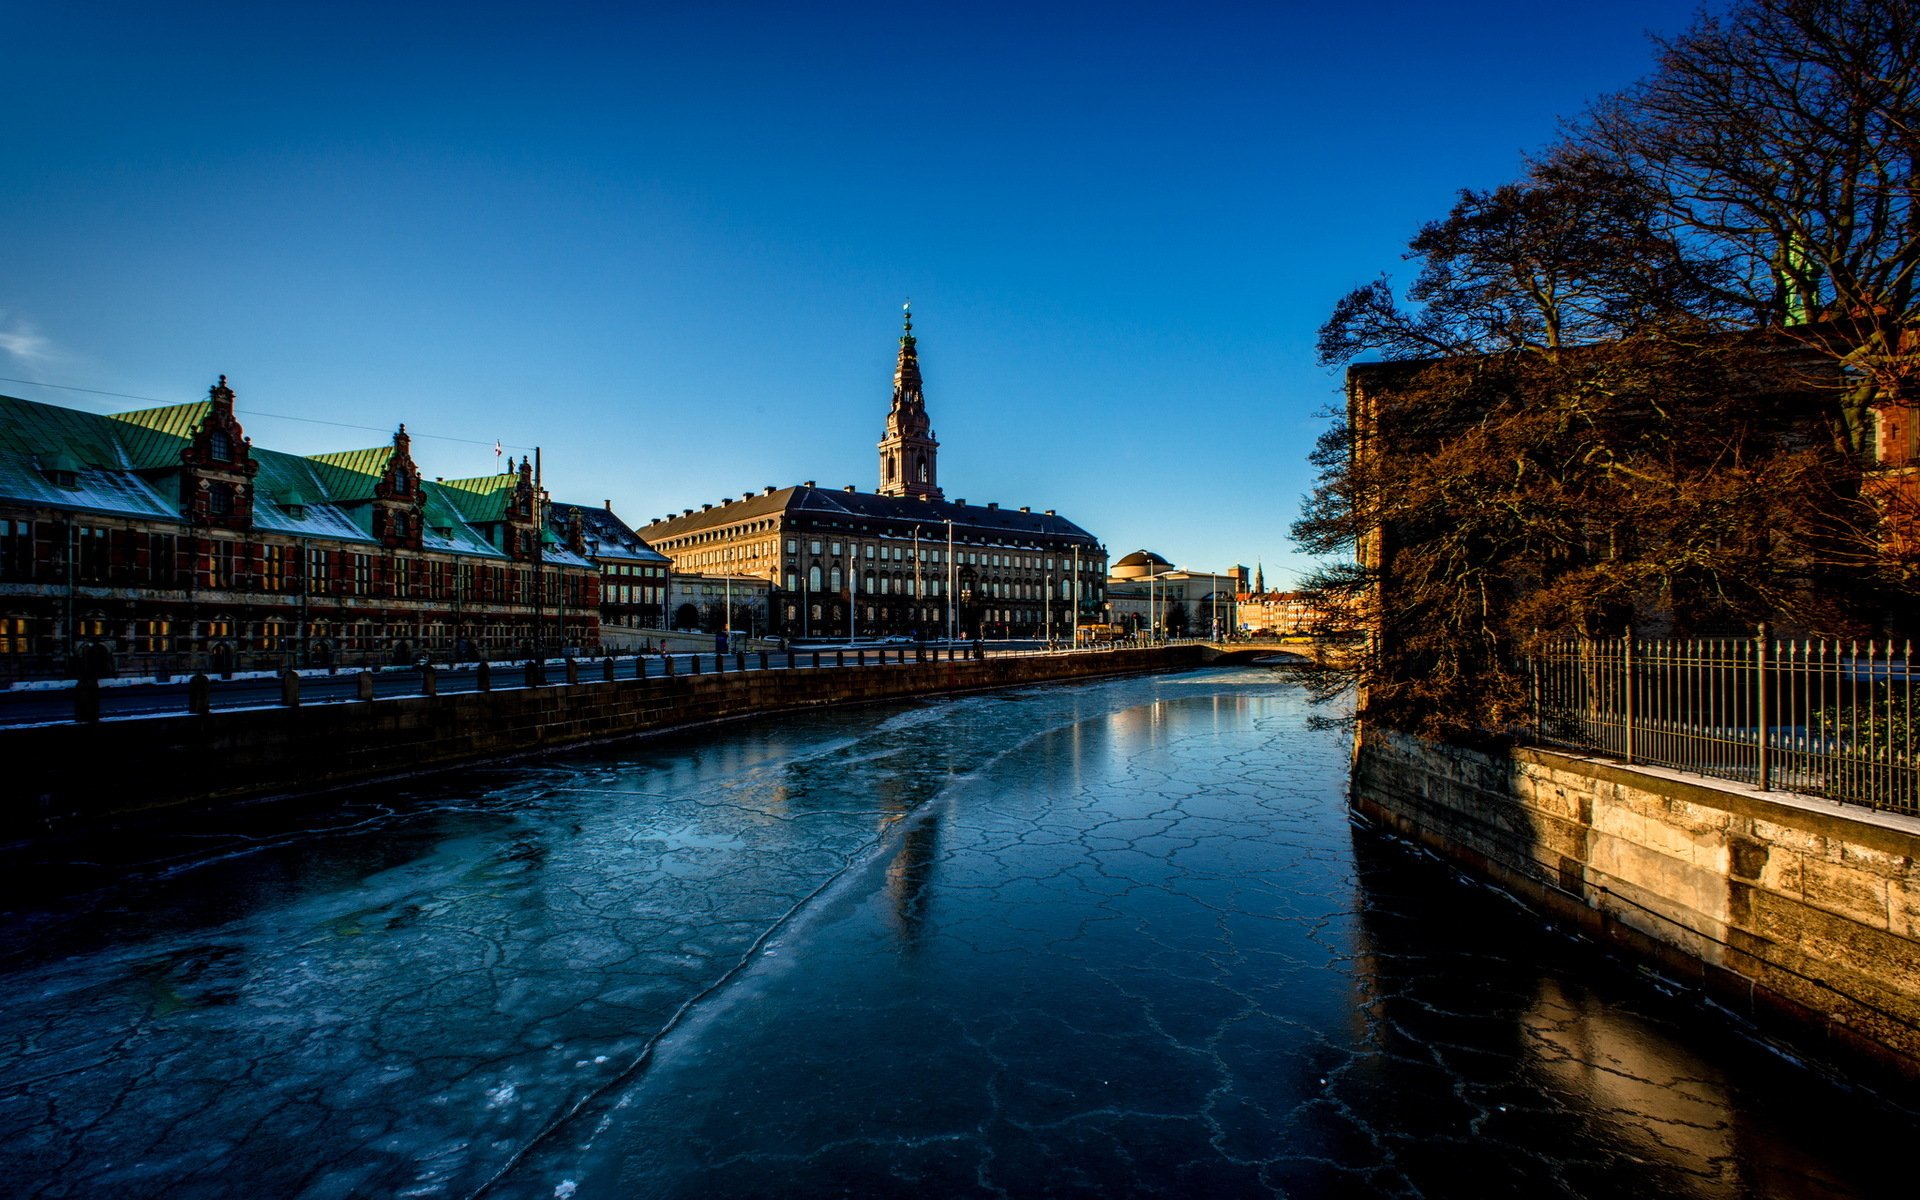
(496, 447)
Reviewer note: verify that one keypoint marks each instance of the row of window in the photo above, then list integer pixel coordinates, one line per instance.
(19, 634)
(973, 558)
(103, 556)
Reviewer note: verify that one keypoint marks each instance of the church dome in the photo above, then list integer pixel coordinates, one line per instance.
(1139, 565)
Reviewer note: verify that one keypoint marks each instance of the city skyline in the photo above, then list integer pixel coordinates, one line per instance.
(671, 247)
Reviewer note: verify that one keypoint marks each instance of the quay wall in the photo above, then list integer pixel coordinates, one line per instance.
(1788, 909)
(75, 774)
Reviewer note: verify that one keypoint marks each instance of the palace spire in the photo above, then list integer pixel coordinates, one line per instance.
(908, 452)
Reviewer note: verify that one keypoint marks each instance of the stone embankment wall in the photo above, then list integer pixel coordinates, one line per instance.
(1777, 905)
(73, 773)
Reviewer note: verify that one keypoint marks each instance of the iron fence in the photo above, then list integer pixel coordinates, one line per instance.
(1819, 717)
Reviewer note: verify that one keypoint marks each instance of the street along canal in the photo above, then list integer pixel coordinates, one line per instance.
(1103, 939)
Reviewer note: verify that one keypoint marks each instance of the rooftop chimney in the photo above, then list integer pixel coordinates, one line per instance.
(768, 490)
(609, 506)
(808, 483)
(993, 504)
(847, 488)
(1026, 508)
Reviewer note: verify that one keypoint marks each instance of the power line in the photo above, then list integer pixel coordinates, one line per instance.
(255, 412)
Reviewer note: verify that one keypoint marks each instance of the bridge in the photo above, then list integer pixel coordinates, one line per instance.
(1302, 650)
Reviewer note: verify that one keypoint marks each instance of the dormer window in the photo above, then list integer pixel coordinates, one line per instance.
(219, 446)
(63, 471)
(402, 481)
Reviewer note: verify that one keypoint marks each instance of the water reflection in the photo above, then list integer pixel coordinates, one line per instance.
(1116, 939)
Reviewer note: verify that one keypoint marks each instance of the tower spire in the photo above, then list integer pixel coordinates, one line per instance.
(908, 451)
(906, 370)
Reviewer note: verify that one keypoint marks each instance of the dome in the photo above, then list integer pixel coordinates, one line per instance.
(1139, 565)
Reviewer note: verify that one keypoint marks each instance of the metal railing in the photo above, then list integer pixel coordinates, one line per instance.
(1823, 718)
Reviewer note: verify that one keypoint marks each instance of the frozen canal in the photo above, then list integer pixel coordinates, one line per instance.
(1101, 940)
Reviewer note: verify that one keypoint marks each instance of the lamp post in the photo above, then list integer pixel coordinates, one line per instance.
(1073, 589)
(949, 595)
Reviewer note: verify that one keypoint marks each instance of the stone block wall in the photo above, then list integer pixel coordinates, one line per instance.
(67, 775)
(1781, 906)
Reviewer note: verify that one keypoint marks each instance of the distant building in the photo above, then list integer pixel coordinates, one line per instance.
(710, 603)
(164, 539)
(899, 560)
(1146, 593)
(633, 575)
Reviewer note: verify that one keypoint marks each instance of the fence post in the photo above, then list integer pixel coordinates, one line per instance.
(290, 688)
(1628, 713)
(1534, 652)
(1762, 698)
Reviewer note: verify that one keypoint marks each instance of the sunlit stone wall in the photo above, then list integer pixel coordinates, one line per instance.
(1779, 905)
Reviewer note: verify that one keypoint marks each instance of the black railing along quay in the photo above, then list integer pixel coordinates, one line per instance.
(1823, 718)
(84, 700)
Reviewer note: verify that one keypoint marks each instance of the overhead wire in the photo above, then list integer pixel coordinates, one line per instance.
(257, 412)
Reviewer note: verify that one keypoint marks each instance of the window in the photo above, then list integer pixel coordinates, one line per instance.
(220, 565)
(219, 446)
(319, 567)
(815, 546)
(362, 575)
(220, 500)
(160, 564)
(15, 635)
(16, 549)
(91, 552)
(836, 579)
(273, 568)
(813, 577)
(153, 637)
(272, 633)
(836, 549)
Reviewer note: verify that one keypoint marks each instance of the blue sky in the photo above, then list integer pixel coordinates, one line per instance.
(669, 242)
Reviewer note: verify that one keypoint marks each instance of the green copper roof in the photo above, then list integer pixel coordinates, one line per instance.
(349, 475)
(484, 498)
(367, 462)
(155, 436)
